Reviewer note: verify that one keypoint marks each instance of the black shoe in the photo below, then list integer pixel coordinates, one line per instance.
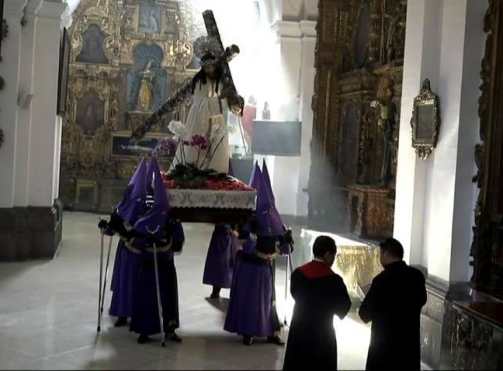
(247, 340)
(215, 294)
(275, 340)
(173, 336)
(142, 339)
(121, 322)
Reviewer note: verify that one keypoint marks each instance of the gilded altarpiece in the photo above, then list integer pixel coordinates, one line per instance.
(359, 57)
(127, 57)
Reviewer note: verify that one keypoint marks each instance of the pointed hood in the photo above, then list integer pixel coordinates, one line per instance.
(132, 206)
(154, 221)
(267, 181)
(254, 178)
(268, 219)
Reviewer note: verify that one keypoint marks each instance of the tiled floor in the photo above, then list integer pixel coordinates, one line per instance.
(48, 316)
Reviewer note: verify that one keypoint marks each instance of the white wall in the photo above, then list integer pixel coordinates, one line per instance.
(435, 198)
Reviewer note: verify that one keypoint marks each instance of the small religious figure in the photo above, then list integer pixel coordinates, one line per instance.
(266, 112)
(386, 123)
(249, 115)
(146, 95)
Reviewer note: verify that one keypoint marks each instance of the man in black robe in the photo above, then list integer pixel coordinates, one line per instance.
(319, 294)
(393, 305)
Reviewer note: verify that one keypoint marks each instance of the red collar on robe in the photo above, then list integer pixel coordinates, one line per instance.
(316, 269)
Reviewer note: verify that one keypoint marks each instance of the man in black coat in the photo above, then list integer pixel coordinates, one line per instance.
(393, 305)
(319, 294)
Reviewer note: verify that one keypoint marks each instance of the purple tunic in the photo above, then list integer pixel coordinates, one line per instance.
(220, 259)
(145, 316)
(125, 271)
(251, 309)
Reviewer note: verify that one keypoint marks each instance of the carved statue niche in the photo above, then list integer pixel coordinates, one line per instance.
(93, 46)
(386, 125)
(487, 245)
(361, 36)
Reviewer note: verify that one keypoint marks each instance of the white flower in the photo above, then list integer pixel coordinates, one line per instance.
(178, 129)
(218, 128)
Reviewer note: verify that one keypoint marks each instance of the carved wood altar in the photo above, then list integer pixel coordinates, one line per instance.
(487, 247)
(127, 57)
(359, 57)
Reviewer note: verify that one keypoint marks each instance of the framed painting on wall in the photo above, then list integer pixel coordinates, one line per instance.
(64, 65)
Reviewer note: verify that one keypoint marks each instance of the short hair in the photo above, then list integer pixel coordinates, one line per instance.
(392, 247)
(323, 245)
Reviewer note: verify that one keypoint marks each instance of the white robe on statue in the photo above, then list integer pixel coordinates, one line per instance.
(205, 106)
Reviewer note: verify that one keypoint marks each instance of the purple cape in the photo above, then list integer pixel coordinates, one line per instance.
(145, 316)
(125, 271)
(220, 259)
(251, 310)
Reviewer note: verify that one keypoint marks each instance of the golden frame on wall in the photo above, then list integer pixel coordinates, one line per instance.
(425, 121)
(141, 148)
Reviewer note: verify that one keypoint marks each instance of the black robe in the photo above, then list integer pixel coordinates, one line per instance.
(393, 305)
(319, 294)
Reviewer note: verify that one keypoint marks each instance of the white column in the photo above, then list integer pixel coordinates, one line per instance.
(285, 174)
(420, 62)
(9, 70)
(307, 74)
(433, 218)
(45, 132)
(23, 144)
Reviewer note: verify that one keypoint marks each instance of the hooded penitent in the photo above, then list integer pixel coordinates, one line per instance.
(155, 227)
(126, 264)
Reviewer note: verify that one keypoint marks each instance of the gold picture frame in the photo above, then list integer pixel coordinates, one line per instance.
(425, 121)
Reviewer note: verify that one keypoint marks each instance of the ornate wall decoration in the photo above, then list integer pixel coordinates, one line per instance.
(487, 245)
(127, 56)
(359, 53)
(425, 121)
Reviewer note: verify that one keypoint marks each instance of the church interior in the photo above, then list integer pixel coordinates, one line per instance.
(371, 119)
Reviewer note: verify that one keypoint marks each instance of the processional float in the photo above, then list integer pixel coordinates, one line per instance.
(234, 202)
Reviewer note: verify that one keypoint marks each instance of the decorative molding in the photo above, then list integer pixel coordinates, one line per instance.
(287, 29)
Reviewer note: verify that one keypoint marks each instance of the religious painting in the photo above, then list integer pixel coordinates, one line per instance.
(171, 23)
(93, 46)
(349, 147)
(147, 81)
(361, 37)
(150, 17)
(121, 145)
(64, 64)
(90, 114)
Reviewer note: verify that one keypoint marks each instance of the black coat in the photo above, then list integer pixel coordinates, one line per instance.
(319, 294)
(393, 305)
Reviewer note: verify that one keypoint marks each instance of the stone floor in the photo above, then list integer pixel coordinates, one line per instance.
(48, 315)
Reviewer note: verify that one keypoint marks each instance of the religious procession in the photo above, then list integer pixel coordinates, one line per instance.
(248, 232)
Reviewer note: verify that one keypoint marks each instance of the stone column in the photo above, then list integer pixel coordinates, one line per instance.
(296, 43)
(45, 133)
(307, 74)
(10, 72)
(30, 223)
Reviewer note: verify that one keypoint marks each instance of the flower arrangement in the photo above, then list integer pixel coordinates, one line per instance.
(193, 172)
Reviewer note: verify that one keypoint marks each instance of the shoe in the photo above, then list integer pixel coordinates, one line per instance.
(174, 337)
(121, 322)
(247, 340)
(142, 339)
(275, 340)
